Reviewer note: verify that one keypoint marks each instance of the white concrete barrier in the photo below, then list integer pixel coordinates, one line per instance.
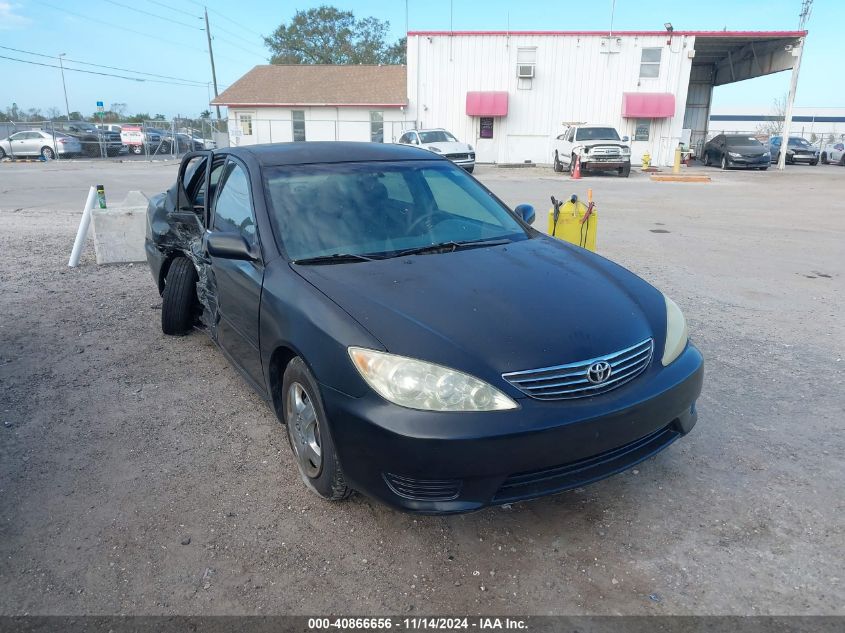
(119, 231)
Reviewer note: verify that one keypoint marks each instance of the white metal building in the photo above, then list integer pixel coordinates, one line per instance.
(279, 103)
(510, 93)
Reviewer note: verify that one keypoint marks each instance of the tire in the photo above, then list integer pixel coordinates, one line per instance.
(724, 163)
(2, 153)
(137, 149)
(625, 171)
(112, 151)
(813, 163)
(842, 159)
(48, 153)
(309, 435)
(556, 164)
(179, 299)
(706, 159)
(470, 169)
(764, 168)
(571, 169)
(824, 158)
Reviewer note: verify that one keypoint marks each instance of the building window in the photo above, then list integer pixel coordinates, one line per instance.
(245, 122)
(650, 62)
(377, 127)
(642, 130)
(486, 130)
(526, 64)
(298, 123)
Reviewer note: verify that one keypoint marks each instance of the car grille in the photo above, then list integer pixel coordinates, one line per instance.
(564, 382)
(605, 151)
(585, 471)
(459, 156)
(423, 489)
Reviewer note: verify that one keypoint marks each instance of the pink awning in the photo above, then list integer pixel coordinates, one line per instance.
(487, 103)
(648, 105)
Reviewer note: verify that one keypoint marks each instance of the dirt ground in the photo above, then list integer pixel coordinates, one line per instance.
(139, 475)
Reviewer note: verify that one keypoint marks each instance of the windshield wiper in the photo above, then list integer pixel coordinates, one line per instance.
(336, 258)
(450, 246)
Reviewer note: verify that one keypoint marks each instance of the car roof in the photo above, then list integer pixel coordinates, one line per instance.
(305, 153)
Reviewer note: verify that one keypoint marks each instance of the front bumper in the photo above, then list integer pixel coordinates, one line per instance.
(749, 162)
(458, 462)
(589, 164)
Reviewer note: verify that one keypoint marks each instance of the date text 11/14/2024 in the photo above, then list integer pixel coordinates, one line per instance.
(417, 624)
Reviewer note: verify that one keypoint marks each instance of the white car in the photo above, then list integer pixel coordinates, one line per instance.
(39, 143)
(599, 147)
(441, 142)
(834, 153)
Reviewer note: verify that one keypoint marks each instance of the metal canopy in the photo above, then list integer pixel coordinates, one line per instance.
(734, 57)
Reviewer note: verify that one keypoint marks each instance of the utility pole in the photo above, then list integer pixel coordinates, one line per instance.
(211, 56)
(806, 8)
(64, 87)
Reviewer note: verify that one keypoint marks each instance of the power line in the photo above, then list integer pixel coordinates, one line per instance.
(182, 11)
(155, 15)
(228, 19)
(128, 70)
(94, 72)
(231, 43)
(120, 27)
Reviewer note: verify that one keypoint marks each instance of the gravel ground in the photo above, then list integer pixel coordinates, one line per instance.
(139, 475)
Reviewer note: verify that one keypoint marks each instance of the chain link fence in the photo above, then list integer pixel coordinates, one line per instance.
(68, 140)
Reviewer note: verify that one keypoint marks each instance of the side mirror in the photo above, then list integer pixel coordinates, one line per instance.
(229, 246)
(526, 212)
(625, 139)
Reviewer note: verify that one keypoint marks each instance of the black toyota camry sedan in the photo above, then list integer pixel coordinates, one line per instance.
(420, 341)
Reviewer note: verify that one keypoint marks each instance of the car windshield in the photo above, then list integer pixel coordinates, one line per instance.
(381, 209)
(743, 141)
(799, 142)
(596, 134)
(437, 136)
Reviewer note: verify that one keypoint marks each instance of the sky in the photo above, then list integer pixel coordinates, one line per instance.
(165, 39)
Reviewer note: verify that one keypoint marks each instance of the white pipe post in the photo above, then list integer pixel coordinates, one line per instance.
(790, 101)
(82, 233)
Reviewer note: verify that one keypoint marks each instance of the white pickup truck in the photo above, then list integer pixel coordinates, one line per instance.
(599, 147)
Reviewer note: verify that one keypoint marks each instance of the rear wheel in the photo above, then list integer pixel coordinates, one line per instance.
(179, 299)
(47, 153)
(842, 159)
(309, 435)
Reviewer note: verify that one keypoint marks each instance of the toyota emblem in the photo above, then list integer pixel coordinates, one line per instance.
(599, 372)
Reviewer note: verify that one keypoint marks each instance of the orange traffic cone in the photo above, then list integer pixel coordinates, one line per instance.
(576, 171)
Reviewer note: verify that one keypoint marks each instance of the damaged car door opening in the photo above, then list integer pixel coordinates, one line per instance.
(376, 297)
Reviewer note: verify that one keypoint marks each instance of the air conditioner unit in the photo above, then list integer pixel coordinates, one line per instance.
(525, 71)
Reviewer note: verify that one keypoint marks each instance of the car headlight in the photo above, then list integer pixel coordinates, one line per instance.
(767, 154)
(734, 154)
(435, 149)
(626, 151)
(677, 333)
(417, 384)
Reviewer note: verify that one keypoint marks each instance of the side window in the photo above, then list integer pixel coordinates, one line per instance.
(233, 207)
(397, 188)
(216, 172)
(298, 124)
(840, 146)
(415, 139)
(454, 199)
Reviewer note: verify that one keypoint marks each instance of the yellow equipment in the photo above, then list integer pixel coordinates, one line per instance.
(574, 221)
(646, 160)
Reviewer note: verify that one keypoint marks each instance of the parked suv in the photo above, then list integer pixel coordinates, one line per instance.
(90, 137)
(444, 143)
(599, 147)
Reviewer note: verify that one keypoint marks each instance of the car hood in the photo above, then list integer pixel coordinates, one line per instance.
(594, 143)
(486, 311)
(450, 147)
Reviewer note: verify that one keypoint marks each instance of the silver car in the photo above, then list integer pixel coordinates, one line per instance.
(39, 143)
(441, 142)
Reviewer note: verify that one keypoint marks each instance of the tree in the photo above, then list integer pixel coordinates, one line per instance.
(774, 127)
(205, 114)
(158, 117)
(327, 35)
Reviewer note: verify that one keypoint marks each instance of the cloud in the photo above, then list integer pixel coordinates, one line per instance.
(9, 19)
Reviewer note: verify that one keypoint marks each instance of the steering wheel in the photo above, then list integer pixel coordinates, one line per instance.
(415, 224)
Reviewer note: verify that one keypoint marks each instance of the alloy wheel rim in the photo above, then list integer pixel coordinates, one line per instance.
(304, 428)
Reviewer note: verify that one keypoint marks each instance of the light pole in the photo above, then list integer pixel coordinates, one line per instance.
(64, 87)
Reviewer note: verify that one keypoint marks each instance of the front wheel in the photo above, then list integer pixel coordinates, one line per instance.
(47, 153)
(470, 169)
(724, 162)
(2, 153)
(625, 171)
(824, 158)
(309, 435)
(179, 299)
(557, 165)
(814, 163)
(842, 159)
(706, 159)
